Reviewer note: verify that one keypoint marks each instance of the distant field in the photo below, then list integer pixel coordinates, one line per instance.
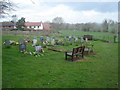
(52, 71)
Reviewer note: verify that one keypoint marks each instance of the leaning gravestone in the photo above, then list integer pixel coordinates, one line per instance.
(7, 43)
(22, 47)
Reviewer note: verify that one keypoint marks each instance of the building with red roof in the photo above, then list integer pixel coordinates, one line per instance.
(37, 26)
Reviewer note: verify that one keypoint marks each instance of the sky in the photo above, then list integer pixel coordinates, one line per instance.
(72, 11)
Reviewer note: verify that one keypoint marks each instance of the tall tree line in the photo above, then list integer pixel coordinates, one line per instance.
(107, 25)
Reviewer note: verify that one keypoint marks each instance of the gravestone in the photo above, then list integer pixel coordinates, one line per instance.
(52, 41)
(21, 41)
(34, 42)
(41, 39)
(22, 47)
(37, 48)
(76, 39)
(47, 38)
(35, 37)
(73, 37)
(7, 43)
(70, 38)
(27, 37)
(65, 38)
(81, 39)
(86, 39)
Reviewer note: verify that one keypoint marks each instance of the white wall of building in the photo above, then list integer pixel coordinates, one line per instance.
(36, 27)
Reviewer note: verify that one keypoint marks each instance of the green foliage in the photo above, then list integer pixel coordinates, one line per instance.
(20, 23)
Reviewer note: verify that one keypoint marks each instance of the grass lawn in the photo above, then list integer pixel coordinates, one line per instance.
(52, 71)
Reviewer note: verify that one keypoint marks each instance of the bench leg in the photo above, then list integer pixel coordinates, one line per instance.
(72, 58)
(82, 55)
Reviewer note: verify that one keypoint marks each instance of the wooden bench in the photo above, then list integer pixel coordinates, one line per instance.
(76, 52)
(89, 37)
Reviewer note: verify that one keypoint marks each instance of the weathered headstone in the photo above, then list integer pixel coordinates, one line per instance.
(47, 38)
(41, 39)
(81, 39)
(76, 39)
(34, 42)
(70, 38)
(7, 43)
(37, 48)
(22, 47)
(86, 39)
(52, 41)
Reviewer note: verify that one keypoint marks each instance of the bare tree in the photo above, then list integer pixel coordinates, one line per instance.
(58, 23)
(5, 7)
(58, 20)
(105, 25)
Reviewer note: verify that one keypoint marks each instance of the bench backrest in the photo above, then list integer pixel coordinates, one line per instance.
(78, 50)
(89, 37)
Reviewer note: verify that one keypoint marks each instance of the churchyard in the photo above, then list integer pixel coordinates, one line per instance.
(37, 60)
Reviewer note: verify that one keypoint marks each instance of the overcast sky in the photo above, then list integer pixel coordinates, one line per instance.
(72, 11)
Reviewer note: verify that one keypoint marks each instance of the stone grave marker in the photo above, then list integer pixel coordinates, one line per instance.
(41, 39)
(22, 47)
(86, 39)
(76, 39)
(34, 41)
(47, 38)
(52, 41)
(70, 38)
(81, 39)
(37, 48)
(7, 43)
